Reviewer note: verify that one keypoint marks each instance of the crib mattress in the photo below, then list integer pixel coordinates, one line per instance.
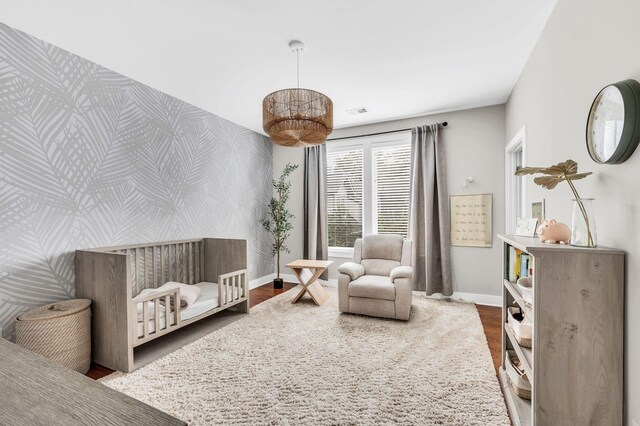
(207, 301)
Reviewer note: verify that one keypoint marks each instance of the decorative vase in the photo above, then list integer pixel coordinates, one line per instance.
(583, 223)
(278, 283)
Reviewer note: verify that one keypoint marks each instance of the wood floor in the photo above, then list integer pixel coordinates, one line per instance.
(490, 317)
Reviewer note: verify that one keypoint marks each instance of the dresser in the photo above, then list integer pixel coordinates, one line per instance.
(575, 364)
(36, 391)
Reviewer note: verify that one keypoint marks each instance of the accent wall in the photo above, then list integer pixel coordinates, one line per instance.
(91, 158)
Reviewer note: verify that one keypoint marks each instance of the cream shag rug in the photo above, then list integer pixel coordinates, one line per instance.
(307, 365)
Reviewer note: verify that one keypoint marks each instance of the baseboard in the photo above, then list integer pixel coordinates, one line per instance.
(288, 278)
(479, 299)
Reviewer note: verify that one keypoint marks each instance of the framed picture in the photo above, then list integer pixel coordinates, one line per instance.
(471, 218)
(527, 227)
(537, 210)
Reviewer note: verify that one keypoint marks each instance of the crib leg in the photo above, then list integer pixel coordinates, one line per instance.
(242, 307)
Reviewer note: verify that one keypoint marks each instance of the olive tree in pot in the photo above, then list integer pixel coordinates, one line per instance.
(277, 223)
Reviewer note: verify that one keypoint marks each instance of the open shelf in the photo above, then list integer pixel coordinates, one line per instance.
(519, 408)
(517, 296)
(525, 355)
(590, 281)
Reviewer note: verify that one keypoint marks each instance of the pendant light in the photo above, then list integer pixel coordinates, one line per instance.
(297, 117)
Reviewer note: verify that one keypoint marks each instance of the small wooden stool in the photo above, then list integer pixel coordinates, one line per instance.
(308, 272)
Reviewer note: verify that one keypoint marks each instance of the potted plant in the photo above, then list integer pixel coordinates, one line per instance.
(582, 222)
(278, 222)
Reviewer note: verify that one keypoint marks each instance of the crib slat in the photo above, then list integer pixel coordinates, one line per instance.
(167, 310)
(144, 319)
(145, 266)
(178, 264)
(177, 308)
(136, 269)
(155, 269)
(233, 288)
(201, 258)
(198, 252)
(191, 274)
(184, 263)
(189, 265)
(169, 261)
(156, 315)
(162, 263)
(223, 292)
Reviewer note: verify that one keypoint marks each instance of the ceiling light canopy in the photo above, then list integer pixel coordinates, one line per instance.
(297, 117)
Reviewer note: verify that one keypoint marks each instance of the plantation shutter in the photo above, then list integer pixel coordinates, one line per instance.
(344, 196)
(391, 174)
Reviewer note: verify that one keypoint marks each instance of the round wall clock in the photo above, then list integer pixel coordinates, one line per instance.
(613, 125)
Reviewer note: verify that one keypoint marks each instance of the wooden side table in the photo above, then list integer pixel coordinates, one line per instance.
(308, 272)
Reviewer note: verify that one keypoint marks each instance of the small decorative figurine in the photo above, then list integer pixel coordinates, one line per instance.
(552, 231)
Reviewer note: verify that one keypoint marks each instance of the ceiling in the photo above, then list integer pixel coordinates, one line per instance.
(399, 58)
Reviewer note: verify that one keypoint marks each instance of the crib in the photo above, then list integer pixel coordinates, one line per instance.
(122, 319)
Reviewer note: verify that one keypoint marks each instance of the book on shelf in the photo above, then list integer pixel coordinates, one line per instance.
(519, 264)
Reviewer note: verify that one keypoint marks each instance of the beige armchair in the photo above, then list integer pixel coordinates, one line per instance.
(378, 280)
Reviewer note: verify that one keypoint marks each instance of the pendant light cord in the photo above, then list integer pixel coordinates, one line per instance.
(298, 66)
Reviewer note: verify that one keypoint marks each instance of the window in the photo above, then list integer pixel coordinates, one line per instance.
(367, 189)
(344, 197)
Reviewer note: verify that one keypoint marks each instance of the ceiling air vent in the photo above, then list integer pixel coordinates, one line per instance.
(356, 111)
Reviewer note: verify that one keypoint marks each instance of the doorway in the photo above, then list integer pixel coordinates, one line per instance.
(515, 190)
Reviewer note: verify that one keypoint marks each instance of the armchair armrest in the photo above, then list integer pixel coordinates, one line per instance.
(354, 270)
(401, 272)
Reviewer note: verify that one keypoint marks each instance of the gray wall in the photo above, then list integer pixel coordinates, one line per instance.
(586, 45)
(92, 158)
(474, 144)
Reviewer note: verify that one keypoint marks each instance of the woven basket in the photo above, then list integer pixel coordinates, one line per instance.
(60, 332)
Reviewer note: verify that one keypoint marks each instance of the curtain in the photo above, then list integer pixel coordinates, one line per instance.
(316, 240)
(429, 212)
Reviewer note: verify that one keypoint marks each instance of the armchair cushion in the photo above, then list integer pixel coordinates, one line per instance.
(354, 270)
(379, 266)
(401, 272)
(372, 287)
(382, 246)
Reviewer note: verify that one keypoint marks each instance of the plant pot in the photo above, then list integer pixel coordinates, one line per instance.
(278, 283)
(583, 223)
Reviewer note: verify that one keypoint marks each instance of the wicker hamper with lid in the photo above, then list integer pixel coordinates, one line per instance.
(59, 331)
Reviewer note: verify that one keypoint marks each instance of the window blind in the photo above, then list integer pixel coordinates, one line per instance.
(344, 197)
(391, 174)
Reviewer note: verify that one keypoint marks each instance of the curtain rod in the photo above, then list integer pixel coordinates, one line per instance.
(444, 124)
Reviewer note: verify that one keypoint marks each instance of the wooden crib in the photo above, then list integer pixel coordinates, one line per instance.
(113, 277)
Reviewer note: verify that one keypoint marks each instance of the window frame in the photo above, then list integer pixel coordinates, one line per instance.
(367, 144)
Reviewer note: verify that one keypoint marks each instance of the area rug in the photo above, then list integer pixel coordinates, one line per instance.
(302, 364)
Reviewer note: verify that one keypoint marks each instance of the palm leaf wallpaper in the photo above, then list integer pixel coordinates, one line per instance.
(91, 158)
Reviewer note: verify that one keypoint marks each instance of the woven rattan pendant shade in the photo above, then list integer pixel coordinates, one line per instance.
(297, 117)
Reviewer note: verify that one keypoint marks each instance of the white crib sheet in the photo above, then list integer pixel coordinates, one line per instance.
(207, 301)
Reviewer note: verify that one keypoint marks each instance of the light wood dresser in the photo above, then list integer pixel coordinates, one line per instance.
(36, 391)
(575, 364)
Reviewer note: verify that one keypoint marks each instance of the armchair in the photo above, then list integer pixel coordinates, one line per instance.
(378, 280)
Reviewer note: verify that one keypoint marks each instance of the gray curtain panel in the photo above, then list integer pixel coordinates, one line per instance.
(429, 212)
(316, 240)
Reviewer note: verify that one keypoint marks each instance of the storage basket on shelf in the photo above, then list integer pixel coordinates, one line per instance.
(521, 326)
(525, 285)
(59, 331)
(517, 377)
